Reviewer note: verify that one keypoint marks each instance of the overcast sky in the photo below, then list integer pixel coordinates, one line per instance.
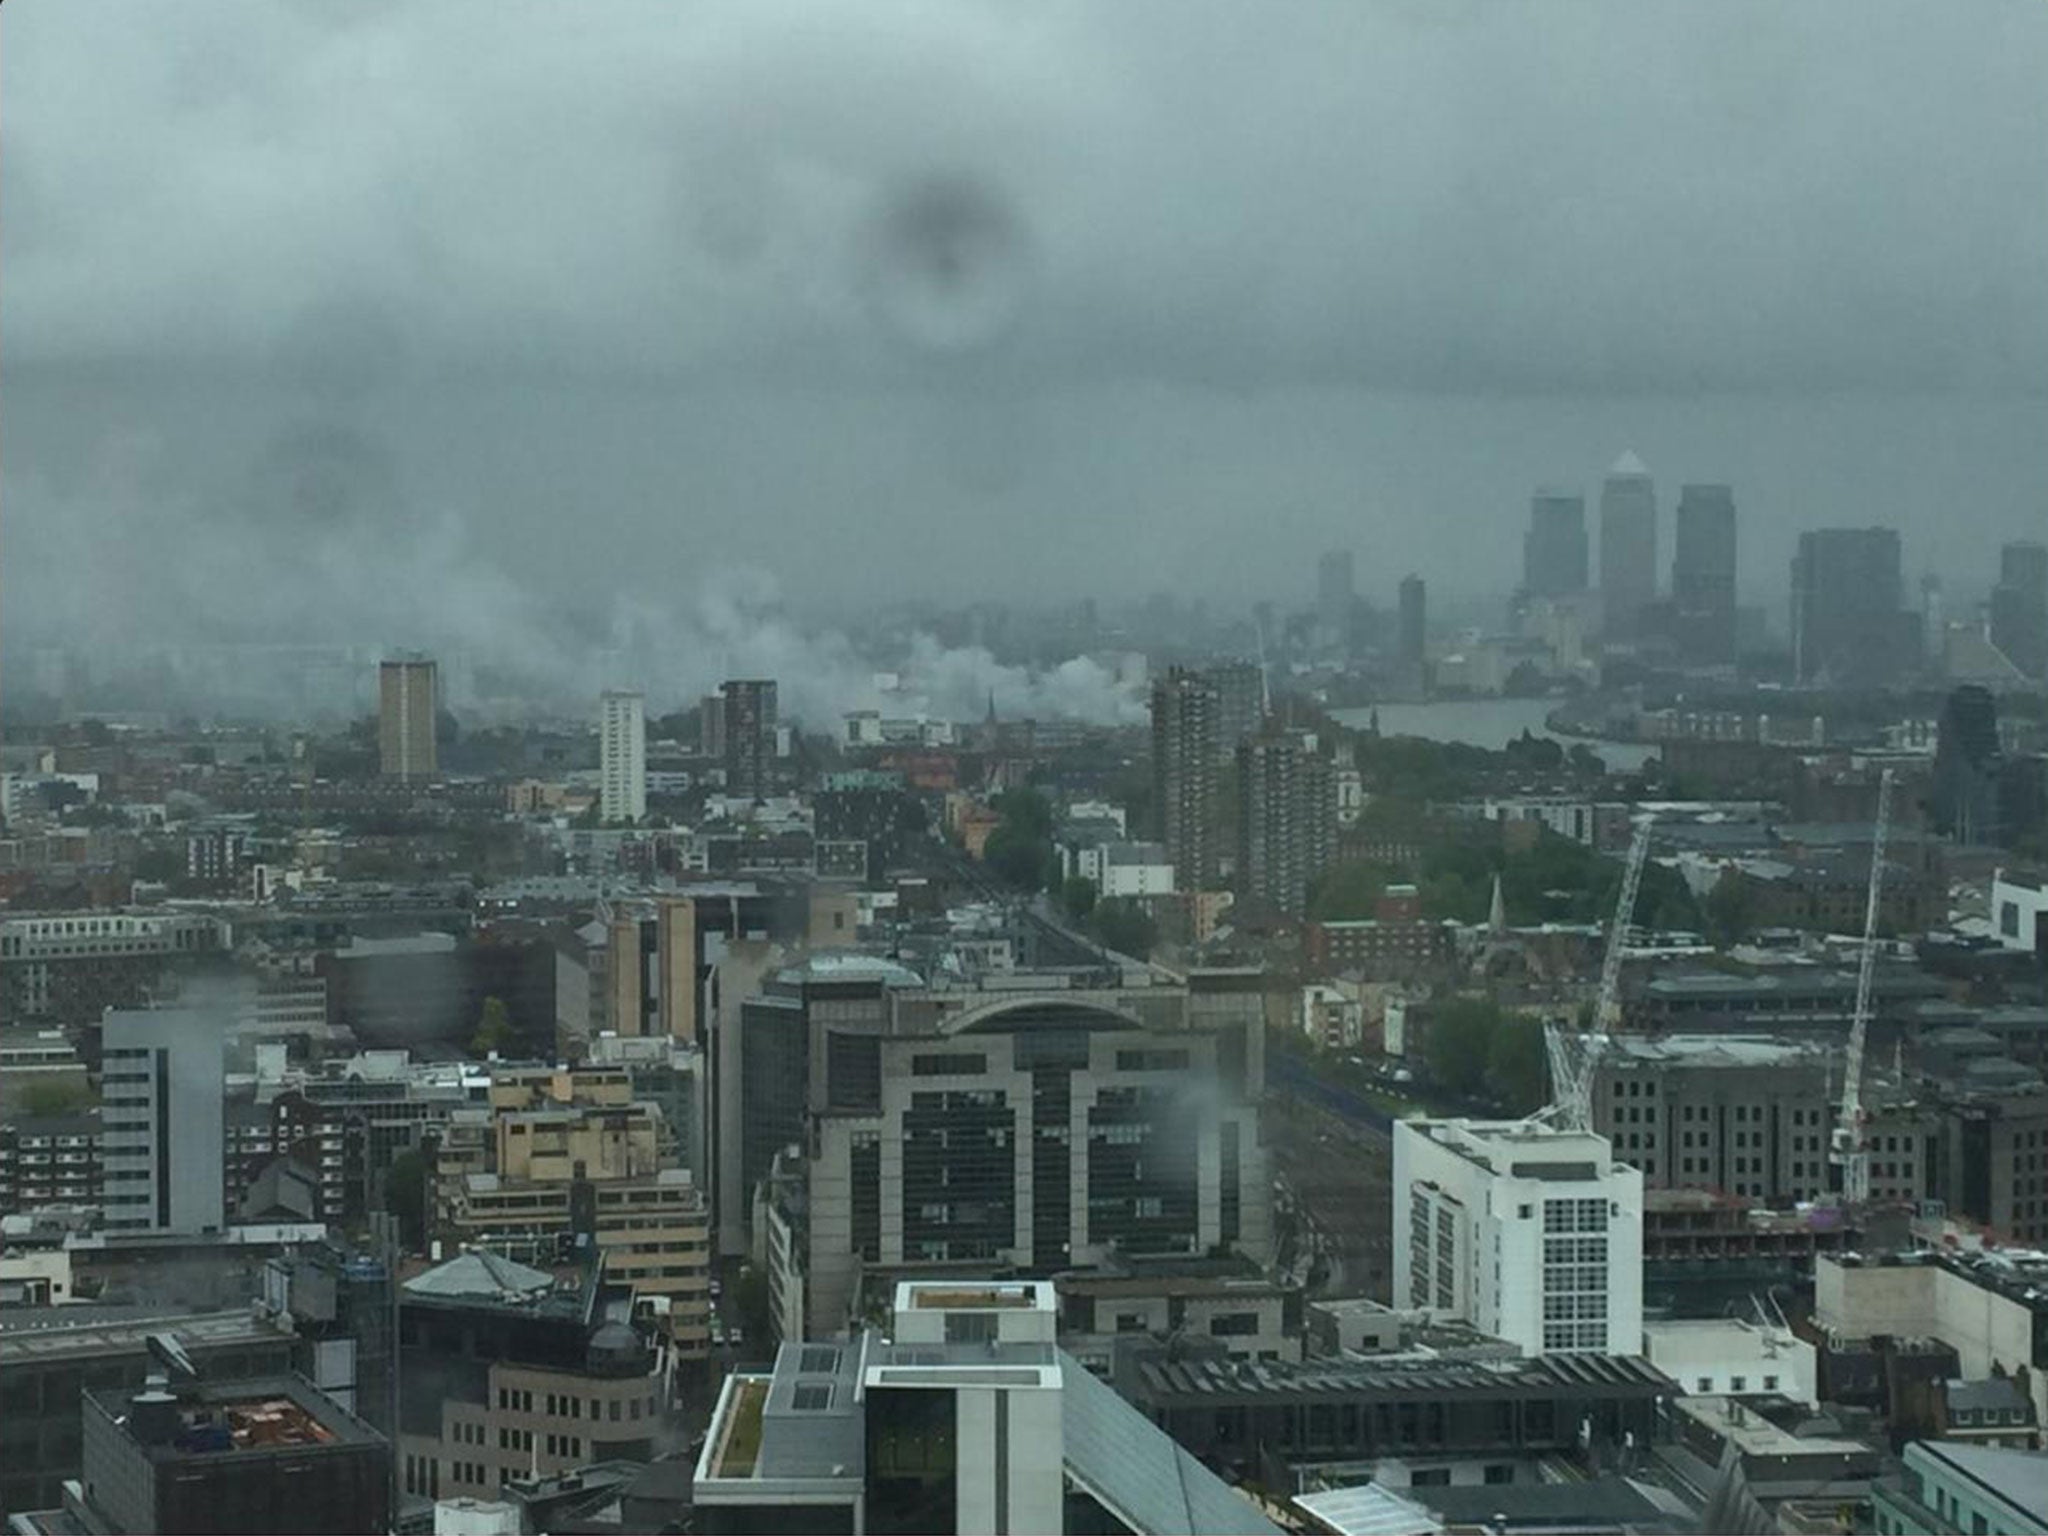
(348, 309)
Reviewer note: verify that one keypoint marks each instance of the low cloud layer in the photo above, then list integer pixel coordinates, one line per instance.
(372, 318)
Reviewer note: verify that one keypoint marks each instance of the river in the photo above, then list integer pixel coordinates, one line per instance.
(1489, 723)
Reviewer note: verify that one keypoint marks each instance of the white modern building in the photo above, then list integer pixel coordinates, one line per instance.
(966, 1417)
(622, 756)
(2019, 909)
(1732, 1357)
(1526, 1232)
(162, 1120)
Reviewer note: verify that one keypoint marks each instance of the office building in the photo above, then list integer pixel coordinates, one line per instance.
(1628, 547)
(69, 968)
(1968, 767)
(1186, 787)
(1414, 622)
(256, 1456)
(2019, 607)
(162, 1113)
(566, 1154)
(749, 711)
(967, 1417)
(509, 1370)
(1951, 1489)
(50, 1160)
(1554, 548)
(1414, 1419)
(44, 1372)
(408, 709)
(1747, 1115)
(1286, 819)
(622, 757)
(1703, 576)
(1336, 597)
(1850, 626)
(1036, 1124)
(1526, 1232)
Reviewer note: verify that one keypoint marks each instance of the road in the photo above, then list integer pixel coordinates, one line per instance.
(1333, 1151)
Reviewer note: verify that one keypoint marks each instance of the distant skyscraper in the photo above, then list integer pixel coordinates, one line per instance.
(1967, 767)
(1186, 725)
(711, 725)
(1850, 627)
(1703, 575)
(1628, 546)
(1554, 548)
(749, 738)
(1287, 818)
(163, 1147)
(408, 704)
(2019, 607)
(1414, 620)
(1336, 595)
(622, 756)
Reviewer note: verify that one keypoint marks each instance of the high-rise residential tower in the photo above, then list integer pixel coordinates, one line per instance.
(749, 708)
(163, 1108)
(1703, 575)
(622, 756)
(408, 703)
(1850, 627)
(1628, 546)
(1554, 548)
(1287, 818)
(1187, 710)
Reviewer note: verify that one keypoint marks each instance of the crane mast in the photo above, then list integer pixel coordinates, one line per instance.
(1572, 1064)
(1851, 1149)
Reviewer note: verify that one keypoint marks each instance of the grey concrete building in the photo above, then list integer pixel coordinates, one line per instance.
(1036, 1123)
(162, 1120)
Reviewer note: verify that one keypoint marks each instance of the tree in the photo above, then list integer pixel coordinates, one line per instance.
(1518, 1066)
(1458, 1048)
(1346, 892)
(1078, 896)
(1126, 927)
(1020, 848)
(1730, 909)
(405, 1196)
(493, 1028)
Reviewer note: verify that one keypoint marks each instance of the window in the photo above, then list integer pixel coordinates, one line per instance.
(1770, 1383)
(1738, 1383)
(811, 1397)
(1431, 1477)
(1706, 1385)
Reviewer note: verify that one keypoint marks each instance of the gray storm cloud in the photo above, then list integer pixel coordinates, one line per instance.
(414, 320)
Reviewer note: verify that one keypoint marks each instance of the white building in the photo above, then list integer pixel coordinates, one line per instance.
(1729, 1357)
(162, 1089)
(2019, 910)
(622, 757)
(1484, 1208)
(1332, 1016)
(967, 1417)
(1132, 869)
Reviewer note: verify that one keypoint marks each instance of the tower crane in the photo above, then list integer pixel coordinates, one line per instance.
(1572, 1063)
(1850, 1146)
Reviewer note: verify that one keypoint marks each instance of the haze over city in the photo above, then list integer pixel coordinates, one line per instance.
(1011, 766)
(475, 330)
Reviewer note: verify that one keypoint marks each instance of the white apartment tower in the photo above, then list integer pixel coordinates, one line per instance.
(622, 748)
(1528, 1233)
(162, 1114)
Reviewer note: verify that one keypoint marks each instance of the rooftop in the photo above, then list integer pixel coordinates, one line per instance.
(253, 1417)
(2018, 1479)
